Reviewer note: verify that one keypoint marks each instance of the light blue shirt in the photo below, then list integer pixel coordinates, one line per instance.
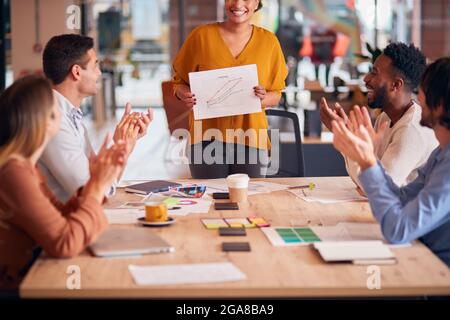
(420, 210)
(65, 160)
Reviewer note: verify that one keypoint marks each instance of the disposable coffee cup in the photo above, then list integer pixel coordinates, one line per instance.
(238, 187)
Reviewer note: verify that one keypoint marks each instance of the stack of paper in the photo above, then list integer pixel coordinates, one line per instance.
(185, 273)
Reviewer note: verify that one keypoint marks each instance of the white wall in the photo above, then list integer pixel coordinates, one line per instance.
(53, 19)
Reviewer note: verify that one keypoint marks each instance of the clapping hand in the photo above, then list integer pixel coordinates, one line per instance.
(327, 115)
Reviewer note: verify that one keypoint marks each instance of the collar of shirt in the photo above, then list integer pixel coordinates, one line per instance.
(75, 114)
(443, 153)
(405, 119)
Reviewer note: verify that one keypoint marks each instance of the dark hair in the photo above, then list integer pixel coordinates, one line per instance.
(25, 107)
(436, 87)
(62, 52)
(408, 61)
(260, 5)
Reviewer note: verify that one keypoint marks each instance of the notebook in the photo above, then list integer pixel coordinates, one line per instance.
(129, 241)
(151, 187)
(354, 251)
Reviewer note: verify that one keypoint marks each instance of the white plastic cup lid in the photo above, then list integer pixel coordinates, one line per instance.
(238, 181)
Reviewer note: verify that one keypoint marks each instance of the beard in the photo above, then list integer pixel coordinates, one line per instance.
(379, 98)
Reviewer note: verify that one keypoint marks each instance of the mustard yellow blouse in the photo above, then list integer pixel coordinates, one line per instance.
(205, 49)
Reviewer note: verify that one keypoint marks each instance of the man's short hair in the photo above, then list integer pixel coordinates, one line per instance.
(436, 87)
(408, 61)
(64, 51)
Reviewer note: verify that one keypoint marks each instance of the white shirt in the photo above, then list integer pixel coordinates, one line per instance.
(65, 160)
(403, 149)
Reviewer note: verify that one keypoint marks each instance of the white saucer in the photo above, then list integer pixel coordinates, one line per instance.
(145, 223)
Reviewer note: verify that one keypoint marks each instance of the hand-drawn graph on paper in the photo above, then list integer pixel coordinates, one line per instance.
(225, 92)
(229, 89)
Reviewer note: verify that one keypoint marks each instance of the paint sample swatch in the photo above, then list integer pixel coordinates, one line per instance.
(286, 236)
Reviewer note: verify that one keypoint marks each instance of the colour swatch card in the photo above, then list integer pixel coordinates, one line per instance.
(287, 236)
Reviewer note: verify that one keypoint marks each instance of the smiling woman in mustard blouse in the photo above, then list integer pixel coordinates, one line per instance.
(235, 42)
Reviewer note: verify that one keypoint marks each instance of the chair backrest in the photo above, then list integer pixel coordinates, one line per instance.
(177, 115)
(289, 156)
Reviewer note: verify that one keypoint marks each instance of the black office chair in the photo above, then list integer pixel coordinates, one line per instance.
(289, 156)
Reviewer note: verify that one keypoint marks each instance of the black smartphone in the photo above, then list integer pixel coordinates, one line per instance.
(226, 206)
(221, 195)
(235, 246)
(232, 231)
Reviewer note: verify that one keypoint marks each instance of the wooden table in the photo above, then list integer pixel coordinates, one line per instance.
(271, 272)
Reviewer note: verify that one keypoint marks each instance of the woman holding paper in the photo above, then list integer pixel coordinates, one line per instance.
(30, 216)
(214, 152)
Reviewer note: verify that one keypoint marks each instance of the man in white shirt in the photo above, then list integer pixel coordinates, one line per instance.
(402, 144)
(70, 63)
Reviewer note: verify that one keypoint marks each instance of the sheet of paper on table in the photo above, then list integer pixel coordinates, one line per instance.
(225, 92)
(200, 205)
(328, 195)
(124, 216)
(353, 231)
(185, 273)
(254, 187)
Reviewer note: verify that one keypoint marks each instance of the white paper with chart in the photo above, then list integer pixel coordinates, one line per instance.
(225, 92)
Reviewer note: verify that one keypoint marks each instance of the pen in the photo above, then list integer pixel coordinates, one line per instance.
(310, 186)
(146, 197)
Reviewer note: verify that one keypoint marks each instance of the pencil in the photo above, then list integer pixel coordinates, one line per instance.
(310, 186)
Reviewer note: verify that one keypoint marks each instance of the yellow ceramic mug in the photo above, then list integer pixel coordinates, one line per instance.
(156, 211)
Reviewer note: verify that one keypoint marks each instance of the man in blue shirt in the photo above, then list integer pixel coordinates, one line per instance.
(421, 209)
